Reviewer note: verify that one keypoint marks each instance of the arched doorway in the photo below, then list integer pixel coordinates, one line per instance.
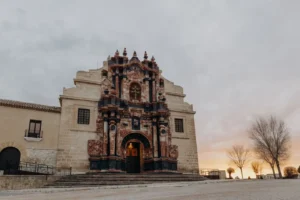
(10, 159)
(133, 157)
(134, 144)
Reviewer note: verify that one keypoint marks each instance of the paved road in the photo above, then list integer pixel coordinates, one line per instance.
(237, 190)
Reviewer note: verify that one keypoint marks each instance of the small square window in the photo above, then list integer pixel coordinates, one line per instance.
(179, 125)
(83, 116)
(35, 127)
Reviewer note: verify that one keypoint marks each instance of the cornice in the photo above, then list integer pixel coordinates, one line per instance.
(30, 106)
(175, 94)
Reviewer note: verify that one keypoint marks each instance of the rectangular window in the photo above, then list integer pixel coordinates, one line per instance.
(83, 116)
(179, 125)
(35, 127)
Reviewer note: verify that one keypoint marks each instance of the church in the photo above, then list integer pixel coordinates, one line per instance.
(123, 117)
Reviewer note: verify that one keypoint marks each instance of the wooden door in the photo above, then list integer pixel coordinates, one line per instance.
(133, 158)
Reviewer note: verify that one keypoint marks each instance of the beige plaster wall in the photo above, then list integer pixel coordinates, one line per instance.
(14, 122)
(186, 141)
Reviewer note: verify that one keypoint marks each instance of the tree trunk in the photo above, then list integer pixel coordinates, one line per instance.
(278, 168)
(272, 166)
(230, 176)
(242, 173)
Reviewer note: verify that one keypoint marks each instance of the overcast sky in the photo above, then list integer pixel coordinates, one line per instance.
(235, 59)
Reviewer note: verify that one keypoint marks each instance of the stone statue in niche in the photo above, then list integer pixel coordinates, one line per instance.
(135, 123)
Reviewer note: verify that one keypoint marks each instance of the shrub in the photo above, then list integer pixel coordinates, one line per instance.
(299, 169)
(230, 170)
(290, 172)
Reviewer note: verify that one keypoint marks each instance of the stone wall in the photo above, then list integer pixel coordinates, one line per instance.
(17, 182)
(42, 156)
(73, 137)
(187, 146)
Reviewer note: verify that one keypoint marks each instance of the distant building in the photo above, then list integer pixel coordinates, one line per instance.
(267, 176)
(213, 173)
(222, 174)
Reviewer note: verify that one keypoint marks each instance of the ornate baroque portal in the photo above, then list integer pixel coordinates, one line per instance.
(133, 120)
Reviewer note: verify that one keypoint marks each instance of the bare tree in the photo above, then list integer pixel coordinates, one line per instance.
(271, 139)
(239, 156)
(230, 170)
(261, 167)
(255, 167)
(264, 155)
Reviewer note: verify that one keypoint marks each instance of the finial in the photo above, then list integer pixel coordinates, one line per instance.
(124, 52)
(152, 59)
(117, 53)
(134, 54)
(145, 55)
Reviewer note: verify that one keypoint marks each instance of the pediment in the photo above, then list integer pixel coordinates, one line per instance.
(134, 59)
(135, 68)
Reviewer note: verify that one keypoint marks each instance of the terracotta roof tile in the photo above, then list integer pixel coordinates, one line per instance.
(32, 106)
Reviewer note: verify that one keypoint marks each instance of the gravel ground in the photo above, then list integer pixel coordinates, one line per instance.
(204, 190)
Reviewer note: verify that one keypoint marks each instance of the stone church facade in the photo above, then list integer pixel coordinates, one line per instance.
(123, 117)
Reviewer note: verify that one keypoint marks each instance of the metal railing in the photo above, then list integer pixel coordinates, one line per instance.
(33, 135)
(36, 169)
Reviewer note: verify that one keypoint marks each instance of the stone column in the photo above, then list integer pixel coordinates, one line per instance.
(117, 85)
(146, 92)
(163, 145)
(153, 89)
(155, 144)
(162, 138)
(118, 140)
(105, 136)
(112, 138)
(120, 88)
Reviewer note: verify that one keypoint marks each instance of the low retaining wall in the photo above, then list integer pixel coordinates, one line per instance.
(17, 182)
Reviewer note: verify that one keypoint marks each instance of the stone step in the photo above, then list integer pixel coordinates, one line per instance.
(129, 178)
(121, 179)
(79, 184)
(126, 177)
(132, 176)
(136, 180)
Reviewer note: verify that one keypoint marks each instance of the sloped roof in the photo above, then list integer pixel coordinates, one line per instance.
(31, 106)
